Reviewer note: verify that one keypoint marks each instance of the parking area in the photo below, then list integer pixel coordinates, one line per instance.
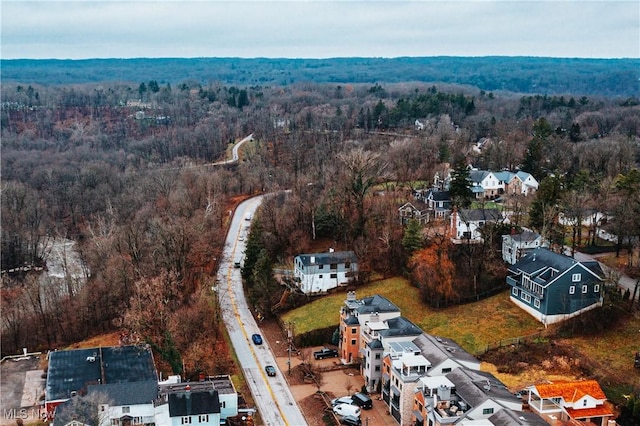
(22, 387)
(333, 383)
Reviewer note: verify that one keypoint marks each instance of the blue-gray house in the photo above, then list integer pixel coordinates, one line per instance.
(553, 287)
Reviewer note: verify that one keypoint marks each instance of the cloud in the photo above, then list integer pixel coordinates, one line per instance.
(87, 29)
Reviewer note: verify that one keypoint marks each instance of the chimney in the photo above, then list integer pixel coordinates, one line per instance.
(312, 259)
(188, 396)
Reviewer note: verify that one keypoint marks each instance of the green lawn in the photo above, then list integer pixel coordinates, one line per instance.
(473, 326)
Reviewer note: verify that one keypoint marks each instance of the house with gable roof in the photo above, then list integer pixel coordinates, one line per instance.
(467, 224)
(485, 184)
(320, 272)
(415, 209)
(565, 401)
(444, 355)
(518, 183)
(553, 287)
(517, 245)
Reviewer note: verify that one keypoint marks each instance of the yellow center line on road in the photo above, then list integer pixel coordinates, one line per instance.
(246, 336)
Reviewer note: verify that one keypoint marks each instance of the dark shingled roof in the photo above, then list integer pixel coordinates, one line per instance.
(328, 258)
(351, 320)
(375, 344)
(438, 195)
(400, 326)
(508, 417)
(76, 369)
(193, 403)
(526, 236)
(437, 350)
(475, 215)
(475, 387)
(541, 258)
(128, 393)
(372, 304)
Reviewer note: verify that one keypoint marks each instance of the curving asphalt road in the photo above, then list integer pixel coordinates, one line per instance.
(272, 395)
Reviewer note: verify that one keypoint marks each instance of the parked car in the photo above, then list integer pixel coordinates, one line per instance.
(347, 410)
(257, 339)
(362, 400)
(271, 370)
(350, 421)
(325, 353)
(341, 400)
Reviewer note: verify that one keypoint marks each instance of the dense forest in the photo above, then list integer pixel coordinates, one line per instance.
(526, 75)
(124, 169)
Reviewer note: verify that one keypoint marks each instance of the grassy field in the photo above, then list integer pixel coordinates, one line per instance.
(473, 326)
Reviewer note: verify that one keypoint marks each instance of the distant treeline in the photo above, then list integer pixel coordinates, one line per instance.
(618, 78)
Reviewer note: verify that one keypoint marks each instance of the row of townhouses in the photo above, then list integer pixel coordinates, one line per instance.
(426, 380)
(121, 384)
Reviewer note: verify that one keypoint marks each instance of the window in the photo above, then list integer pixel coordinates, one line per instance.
(514, 291)
(186, 420)
(377, 368)
(333, 266)
(347, 265)
(353, 331)
(334, 275)
(585, 288)
(115, 422)
(576, 278)
(223, 404)
(487, 411)
(320, 276)
(584, 403)
(536, 303)
(203, 418)
(125, 410)
(526, 297)
(320, 266)
(596, 288)
(377, 356)
(572, 289)
(353, 341)
(446, 370)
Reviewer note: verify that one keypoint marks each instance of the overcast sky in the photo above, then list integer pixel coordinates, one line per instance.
(319, 29)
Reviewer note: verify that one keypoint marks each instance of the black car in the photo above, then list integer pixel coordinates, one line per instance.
(271, 370)
(350, 421)
(362, 400)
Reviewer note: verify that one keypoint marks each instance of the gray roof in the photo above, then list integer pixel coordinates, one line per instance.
(541, 258)
(400, 326)
(475, 215)
(190, 403)
(372, 304)
(74, 370)
(375, 344)
(508, 417)
(475, 387)
(543, 265)
(327, 258)
(128, 393)
(477, 175)
(437, 350)
(525, 236)
(351, 320)
(416, 204)
(438, 195)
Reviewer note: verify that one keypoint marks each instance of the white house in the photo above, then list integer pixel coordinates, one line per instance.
(484, 184)
(467, 224)
(515, 246)
(320, 272)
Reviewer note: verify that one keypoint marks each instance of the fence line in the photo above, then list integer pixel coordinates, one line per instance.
(511, 341)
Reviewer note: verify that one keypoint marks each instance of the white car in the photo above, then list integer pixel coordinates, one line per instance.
(347, 410)
(341, 400)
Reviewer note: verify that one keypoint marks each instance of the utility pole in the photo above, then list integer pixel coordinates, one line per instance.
(290, 341)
